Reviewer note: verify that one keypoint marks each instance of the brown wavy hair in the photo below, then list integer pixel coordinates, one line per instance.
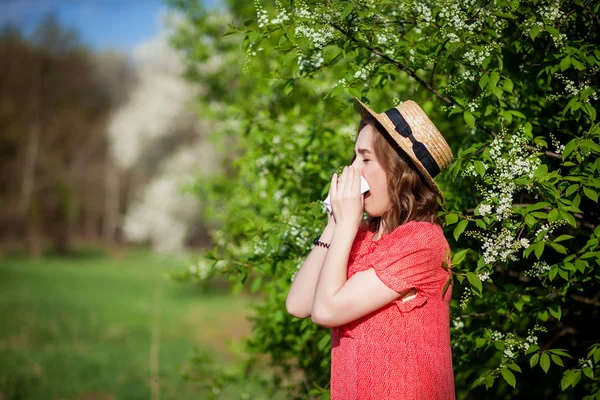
(412, 199)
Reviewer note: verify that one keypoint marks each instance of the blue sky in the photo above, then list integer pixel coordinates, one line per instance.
(120, 24)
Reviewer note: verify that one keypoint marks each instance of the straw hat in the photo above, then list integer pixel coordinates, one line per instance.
(414, 133)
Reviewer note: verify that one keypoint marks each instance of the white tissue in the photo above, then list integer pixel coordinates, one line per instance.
(364, 187)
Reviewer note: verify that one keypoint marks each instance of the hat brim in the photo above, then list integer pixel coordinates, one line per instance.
(404, 143)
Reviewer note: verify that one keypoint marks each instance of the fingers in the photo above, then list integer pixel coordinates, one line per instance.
(348, 182)
(355, 180)
(333, 186)
(342, 182)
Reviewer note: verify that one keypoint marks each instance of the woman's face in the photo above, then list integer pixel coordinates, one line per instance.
(377, 201)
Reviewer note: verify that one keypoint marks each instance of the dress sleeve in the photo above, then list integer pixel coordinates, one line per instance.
(411, 258)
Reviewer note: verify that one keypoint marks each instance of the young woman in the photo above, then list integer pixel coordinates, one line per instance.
(379, 282)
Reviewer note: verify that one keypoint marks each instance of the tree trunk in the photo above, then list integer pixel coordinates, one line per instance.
(31, 156)
(111, 204)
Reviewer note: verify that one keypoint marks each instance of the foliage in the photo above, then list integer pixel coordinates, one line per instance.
(513, 86)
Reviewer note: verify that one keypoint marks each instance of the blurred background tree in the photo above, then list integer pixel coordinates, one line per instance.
(97, 148)
(55, 106)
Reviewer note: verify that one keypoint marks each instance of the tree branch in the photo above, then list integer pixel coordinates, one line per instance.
(592, 302)
(436, 62)
(410, 73)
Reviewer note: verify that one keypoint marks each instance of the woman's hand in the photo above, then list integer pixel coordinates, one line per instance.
(332, 186)
(346, 201)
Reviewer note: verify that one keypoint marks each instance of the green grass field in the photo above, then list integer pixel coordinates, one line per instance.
(98, 327)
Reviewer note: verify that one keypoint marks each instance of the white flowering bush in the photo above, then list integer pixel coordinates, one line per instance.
(513, 87)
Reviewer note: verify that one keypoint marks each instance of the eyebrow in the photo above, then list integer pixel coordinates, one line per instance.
(363, 151)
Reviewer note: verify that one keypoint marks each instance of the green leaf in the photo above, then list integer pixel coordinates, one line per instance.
(569, 147)
(480, 342)
(254, 36)
(479, 167)
(565, 382)
(591, 194)
(347, 10)
(552, 30)
(446, 286)
(459, 257)
(534, 360)
(237, 287)
(494, 78)
(460, 228)
(578, 64)
(489, 381)
(561, 352)
(557, 360)
(588, 372)
(538, 249)
(475, 282)
(509, 377)
(545, 362)
(533, 32)
(568, 217)
(483, 81)
(451, 218)
(469, 119)
(323, 342)
(556, 313)
(571, 189)
(256, 285)
(514, 367)
(558, 247)
(529, 220)
(517, 114)
(565, 63)
(541, 171)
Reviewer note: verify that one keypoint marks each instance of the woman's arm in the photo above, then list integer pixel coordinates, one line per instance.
(358, 296)
(299, 302)
(339, 300)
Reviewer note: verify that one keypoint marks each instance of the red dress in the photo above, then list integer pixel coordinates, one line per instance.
(402, 350)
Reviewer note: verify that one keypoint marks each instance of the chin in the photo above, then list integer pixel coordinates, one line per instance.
(373, 213)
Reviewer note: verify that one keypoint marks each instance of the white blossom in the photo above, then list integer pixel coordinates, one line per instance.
(364, 72)
(423, 12)
(458, 323)
(485, 209)
(484, 276)
(315, 61)
(318, 35)
(551, 11)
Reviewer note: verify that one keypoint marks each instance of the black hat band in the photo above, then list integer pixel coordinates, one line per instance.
(420, 150)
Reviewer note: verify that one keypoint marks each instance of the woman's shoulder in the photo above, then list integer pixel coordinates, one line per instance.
(418, 227)
(428, 234)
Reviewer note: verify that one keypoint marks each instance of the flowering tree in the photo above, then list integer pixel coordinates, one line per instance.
(156, 138)
(513, 87)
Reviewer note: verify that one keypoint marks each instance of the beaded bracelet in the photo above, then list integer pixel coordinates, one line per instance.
(317, 242)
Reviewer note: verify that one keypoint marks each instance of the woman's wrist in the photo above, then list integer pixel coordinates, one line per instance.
(349, 228)
(327, 233)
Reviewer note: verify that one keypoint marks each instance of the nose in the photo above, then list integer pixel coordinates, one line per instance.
(356, 164)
